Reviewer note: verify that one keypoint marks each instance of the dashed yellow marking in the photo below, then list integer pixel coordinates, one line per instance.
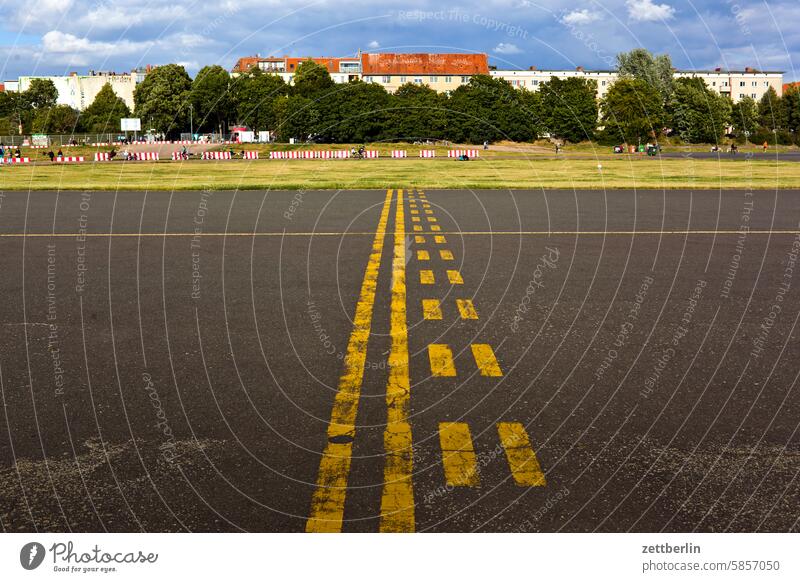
(431, 309)
(397, 500)
(441, 358)
(327, 503)
(432, 219)
(426, 277)
(520, 454)
(419, 239)
(423, 256)
(454, 277)
(415, 219)
(436, 227)
(458, 455)
(446, 255)
(485, 360)
(417, 227)
(429, 212)
(426, 205)
(439, 239)
(415, 212)
(466, 309)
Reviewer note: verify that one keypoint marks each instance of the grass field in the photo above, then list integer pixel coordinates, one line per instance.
(620, 172)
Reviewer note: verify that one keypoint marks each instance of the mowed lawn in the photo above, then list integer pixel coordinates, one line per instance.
(619, 172)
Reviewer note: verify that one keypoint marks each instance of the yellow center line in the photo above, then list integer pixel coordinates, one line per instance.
(327, 503)
(397, 500)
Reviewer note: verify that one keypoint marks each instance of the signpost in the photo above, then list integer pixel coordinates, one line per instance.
(133, 124)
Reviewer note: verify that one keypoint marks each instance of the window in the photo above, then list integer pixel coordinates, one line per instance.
(603, 83)
(448, 79)
(741, 95)
(368, 79)
(535, 82)
(418, 80)
(465, 79)
(434, 79)
(741, 83)
(402, 79)
(766, 83)
(724, 83)
(713, 83)
(753, 95)
(754, 84)
(386, 80)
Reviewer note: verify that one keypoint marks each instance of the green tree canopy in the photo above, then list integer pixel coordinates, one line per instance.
(254, 97)
(632, 110)
(771, 114)
(211, 99)
(104, 113)
(355, 112)
(417, 112)
(297, 118)
(791, 110)
(41, 94)
(698, 114)
(656, 71)
(59, 119)
(569, 108)
(311, 80)
(162, 99)
(744, 116)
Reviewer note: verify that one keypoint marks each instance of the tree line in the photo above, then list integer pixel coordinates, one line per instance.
(645, 103)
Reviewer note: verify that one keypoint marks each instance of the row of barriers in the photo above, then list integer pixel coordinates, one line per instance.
(253, 155)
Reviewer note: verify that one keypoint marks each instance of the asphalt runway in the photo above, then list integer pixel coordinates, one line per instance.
(400, 360)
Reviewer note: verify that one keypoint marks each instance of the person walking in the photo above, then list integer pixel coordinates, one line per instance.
(766, 145)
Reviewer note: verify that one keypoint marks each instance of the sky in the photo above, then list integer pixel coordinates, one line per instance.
(49, 37)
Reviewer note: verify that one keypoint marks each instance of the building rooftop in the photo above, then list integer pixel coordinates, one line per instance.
(424, 64)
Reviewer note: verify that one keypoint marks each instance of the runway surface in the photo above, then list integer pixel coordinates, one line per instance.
(400, 360)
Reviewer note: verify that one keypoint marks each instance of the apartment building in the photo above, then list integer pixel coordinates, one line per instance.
(734, 84)
(79, 91)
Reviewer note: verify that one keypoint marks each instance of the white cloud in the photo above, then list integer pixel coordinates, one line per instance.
(580, 17)
(646, 11)
(374, 44)
(506, 48)
(60, 42)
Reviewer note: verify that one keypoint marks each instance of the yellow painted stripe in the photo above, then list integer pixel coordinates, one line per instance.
(432, 219)
(327, 503)
(485, 360)
(426, 277)
(466, 309)
(415, 219)
(441, 358)
(419, 239)
(426, 205)
(397, 500)
(455, 277)
(415, 212)
(431, 309)
(458, 455)
(423, 255)
(446, 255)
(520, 454)
(440, 240)
(429, 211)
(436, 227)
(417, 227)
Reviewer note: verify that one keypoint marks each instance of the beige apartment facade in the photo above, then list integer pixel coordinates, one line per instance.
(79, 91)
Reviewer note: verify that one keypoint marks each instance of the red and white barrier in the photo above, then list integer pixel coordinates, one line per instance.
(308, 154)
(216, 155)
(15, 160)
(427, 153)
(177, 156)
(142, 156)
(371, 153)
(102, 157)
(250, 155)
(68, 159)
(399, 154)
(458, 153)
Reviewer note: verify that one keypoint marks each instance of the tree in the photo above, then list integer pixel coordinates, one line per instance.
(656, 71)
(312, 80)
(59, 119)
(297, 118)
(698, 114)
(488, 109)
(254, 96)
(569, 108)
(7, 103)
(632, 111)
(104, 113)
(744, 116)
(41, 94)
(791, 109)
(211, 98)
(355, 113)
(771, 114)
(417, 112)
(162, 99)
